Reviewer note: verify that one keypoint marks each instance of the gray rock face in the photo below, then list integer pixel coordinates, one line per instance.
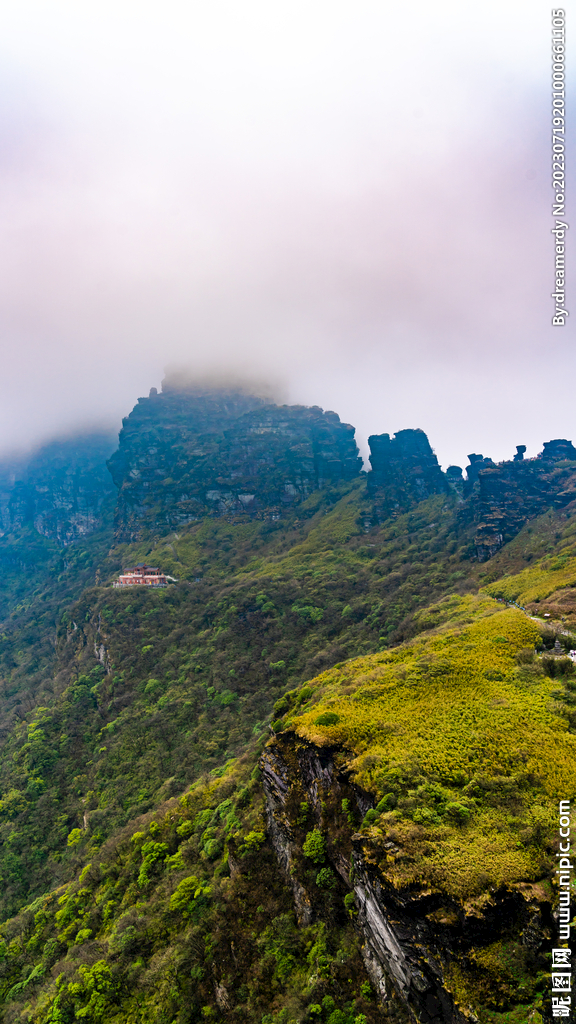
(185, 455)
(558, 450)
(410, 937)
(11, 471)
(501, 498)
(405, 471)
(60, 490)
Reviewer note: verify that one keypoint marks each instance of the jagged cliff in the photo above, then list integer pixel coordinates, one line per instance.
(191, 453)
(405, 471)
(497, 498)
(409, 794)
(427, 778)
(501, 498)
(413, 938)
(187, 454)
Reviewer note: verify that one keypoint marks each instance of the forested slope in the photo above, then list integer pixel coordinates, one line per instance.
(204, 787)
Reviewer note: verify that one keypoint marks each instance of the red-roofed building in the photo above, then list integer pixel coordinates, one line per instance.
(143, 575)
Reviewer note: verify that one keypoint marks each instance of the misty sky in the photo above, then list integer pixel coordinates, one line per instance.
(349, 198)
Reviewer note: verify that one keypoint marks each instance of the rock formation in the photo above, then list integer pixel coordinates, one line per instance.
(411, 937)
(477, 462)
(558, 450)
(187, 454)
(507, 495)
(193, 452)
(405, 471)
(61, 490)
(498, 499)
(455, 478)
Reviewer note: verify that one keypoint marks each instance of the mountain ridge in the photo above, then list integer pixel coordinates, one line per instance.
(134, 821)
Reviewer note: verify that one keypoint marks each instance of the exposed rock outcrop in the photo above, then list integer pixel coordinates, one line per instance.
(191, 452)
(61, 490)
(11, 471)
(404, 471)
(412, 938)
(187, 454)
(477, 462)
(505, 496)
(558, 450)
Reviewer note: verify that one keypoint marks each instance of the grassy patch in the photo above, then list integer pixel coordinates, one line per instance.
(475, 748)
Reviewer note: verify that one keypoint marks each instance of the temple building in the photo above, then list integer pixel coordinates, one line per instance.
(143, 575)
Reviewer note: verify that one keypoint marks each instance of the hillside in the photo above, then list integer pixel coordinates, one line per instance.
(349, 700)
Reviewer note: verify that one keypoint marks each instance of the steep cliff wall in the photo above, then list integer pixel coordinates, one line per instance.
(61, 489)
(427, 778)
(405, 471)
(501, 498)
(417, 941)
(189, 454)
(11, 470)
(399, 949)
(497, 499)
(184, 455)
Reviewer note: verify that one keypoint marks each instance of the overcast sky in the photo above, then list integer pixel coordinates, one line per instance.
(350, 198)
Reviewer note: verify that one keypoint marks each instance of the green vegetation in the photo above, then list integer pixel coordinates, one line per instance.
(188, 675)
(139, 881)
(466, 752)
(157, 923)
(537, 582)
(314, 846)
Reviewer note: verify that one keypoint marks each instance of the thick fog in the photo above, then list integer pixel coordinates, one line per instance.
(348, 198)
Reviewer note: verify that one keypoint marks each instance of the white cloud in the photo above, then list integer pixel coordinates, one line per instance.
(351, 197)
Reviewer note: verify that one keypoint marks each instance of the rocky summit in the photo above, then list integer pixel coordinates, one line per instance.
(190, 453)
(186, 454)
(313, 774)
(501, 498)
(404, 471)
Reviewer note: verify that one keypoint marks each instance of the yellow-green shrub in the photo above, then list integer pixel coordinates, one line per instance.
(453, 707)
